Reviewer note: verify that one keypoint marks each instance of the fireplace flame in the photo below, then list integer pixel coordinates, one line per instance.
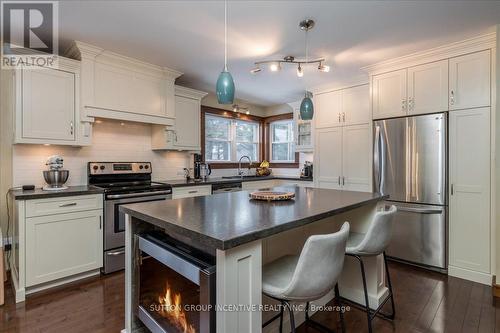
(172, 310)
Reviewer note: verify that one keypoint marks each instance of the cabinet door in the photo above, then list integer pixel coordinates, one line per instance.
(328, 109)
(389, 94)
(187, 122)
(48, 104)
(328, 158)
(428, 88)
(356, 105)
(61, 245)
(470, 189)
(356, 158)
(470, 81)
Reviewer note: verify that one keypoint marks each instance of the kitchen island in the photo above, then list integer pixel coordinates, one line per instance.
(243, 234)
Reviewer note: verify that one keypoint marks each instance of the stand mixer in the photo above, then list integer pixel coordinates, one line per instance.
(55, 177)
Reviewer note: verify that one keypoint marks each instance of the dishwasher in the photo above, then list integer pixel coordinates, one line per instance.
(226, 187)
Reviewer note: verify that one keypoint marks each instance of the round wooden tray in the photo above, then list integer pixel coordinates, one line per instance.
(272, 195)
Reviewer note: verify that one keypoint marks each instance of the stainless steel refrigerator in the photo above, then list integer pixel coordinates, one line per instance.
(409, 164)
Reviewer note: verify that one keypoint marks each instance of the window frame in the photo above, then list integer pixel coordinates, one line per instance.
(290, 141)
(263, 146)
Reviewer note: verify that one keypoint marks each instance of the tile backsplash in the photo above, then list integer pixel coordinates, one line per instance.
(112, 141)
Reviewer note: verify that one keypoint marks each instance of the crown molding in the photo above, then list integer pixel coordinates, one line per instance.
(475, 44)
(189, 93)
(337, 88)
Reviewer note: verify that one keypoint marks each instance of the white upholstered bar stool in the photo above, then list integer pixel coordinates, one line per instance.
(373, 243)
(308, 276)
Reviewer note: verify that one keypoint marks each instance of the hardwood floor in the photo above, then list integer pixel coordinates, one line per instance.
(425, 302)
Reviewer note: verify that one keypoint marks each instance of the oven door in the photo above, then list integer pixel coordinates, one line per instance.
(114, 220)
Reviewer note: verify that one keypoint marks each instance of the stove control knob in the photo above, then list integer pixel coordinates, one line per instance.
(140, 167)
(102, 167)
(146, 166)
(95, 167)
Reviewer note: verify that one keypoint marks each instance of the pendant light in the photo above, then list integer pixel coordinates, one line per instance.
(306, 106)
(225, 84)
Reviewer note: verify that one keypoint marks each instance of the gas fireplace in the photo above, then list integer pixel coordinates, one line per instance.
(176, 289)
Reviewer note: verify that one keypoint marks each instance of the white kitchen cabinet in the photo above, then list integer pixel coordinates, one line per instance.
(428, 88)
(328, 158)
(356, 105)
(191, 191)
(470, 79)
(62, 245)
(470, 194)
(343, 158)
(328, 109)
(356, 158)
(46, 105)
(56, 241)
(389, 95)
(185, 132)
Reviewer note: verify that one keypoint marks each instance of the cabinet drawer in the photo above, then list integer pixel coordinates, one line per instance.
(61, 205)
(191, 191)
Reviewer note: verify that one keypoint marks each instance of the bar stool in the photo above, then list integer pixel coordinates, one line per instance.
(373, 243)
(306, 277)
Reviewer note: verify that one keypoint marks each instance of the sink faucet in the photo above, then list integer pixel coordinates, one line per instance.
(240, 172)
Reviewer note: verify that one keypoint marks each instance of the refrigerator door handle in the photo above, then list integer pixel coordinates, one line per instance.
(420, 210)
(377, 159)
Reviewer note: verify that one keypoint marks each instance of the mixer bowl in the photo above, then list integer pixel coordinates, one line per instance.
(56, 178)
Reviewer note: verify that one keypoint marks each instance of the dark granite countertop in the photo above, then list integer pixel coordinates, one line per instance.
(226, 220)
(38, 193)
(220, 180)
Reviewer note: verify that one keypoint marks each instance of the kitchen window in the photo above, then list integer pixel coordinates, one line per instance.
(282, 145)
(226, 139)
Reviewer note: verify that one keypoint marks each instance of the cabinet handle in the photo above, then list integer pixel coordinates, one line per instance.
(411, 104)
(71, 128)
(100, 222)
(343, 180)
(452, 189)
(175, 136)
(339, 180)
(339, 117)
(68, 204)
(452, 97)
(191, 192)
(343, 117)
(403, 105)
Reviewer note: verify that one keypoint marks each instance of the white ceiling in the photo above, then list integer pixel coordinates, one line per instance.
(188, 36)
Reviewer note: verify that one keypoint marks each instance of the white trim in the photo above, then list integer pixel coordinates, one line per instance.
(127, 116)
(478, 43)
(467, 274)
(189, 93)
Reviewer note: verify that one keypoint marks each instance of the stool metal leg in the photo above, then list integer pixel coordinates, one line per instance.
(281, 317)
(339, 304)
(292, 319)
(389, 284)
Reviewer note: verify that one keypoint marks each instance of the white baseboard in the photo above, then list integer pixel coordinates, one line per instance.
(470, 275)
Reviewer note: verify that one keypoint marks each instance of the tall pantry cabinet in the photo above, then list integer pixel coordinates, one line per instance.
(342, 152)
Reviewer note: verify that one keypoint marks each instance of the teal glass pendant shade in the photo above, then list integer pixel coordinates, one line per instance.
(225, 88)
(306, 108)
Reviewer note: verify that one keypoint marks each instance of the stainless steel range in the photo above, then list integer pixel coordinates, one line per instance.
(123, 183)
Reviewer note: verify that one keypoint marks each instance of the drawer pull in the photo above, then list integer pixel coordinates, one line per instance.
(117, 253)
(68, 204)
(193, 192)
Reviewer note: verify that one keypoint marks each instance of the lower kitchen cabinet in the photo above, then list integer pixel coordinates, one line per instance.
(470, 210)
(343, 158)
(55, 241)
(62, 245)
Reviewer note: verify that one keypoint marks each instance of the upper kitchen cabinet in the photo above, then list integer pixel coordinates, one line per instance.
(389, 94)
(356, 105)
(349, 106)
(303, 130)
(470, 81)
(185, 132)
(428, 88)
(46, 105)
(328, 109)
(118, 87)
